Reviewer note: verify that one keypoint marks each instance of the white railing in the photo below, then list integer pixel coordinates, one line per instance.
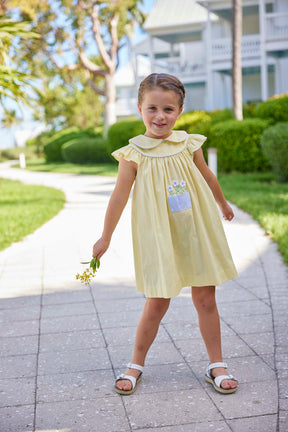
(222, 48)
(276, 26)
(181, 69)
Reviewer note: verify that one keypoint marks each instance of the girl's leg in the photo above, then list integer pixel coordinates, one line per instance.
(209, 323)
(153, 312)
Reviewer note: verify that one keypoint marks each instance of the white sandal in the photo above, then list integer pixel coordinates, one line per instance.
(134, 381)
(216, 382)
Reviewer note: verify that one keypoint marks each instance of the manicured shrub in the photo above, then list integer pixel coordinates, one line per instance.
(218, 116)
(249, 109)
(86, 150)
(52, 148)
(274, 143)
(120, 133)
(238, 144)
(191, 120)
(275, 109)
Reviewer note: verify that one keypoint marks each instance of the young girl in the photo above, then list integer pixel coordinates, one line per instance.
(178, 238)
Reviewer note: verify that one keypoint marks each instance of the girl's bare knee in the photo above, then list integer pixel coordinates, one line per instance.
(156, 308)
(204, 299)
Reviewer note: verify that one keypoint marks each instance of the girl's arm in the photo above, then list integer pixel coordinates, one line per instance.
(213, 184)
(126, 175)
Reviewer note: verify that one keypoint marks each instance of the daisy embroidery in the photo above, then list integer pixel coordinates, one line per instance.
(177, 187)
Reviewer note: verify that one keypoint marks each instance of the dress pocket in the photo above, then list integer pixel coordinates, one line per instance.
(180, 202)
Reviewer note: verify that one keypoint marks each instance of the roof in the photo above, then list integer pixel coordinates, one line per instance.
(159, 46)
(175, 14)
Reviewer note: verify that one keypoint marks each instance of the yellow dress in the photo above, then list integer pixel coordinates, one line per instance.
(178, 237)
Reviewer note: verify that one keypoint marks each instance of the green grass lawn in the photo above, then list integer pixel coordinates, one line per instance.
(24, 208)
(71, 168)
(264, 199)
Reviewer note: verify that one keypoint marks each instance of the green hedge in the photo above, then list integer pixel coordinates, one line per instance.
(219, 116)
(202, 120)
(86, 150)
(191, 120)
(52, 148)
(275, 109)
(249, 110)
(274, 143)
(238, 144)
(120, 133)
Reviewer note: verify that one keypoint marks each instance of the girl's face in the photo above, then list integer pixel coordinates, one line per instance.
(159, 110)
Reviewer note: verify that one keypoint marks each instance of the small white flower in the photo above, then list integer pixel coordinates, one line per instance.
(170, 188)
(175, 183)
(182, 183)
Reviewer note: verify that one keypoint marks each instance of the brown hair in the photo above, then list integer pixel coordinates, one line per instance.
(164, 81)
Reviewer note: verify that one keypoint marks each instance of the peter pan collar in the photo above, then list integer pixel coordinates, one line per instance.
(145, 142)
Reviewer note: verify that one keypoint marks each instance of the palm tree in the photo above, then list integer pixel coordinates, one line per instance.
(236, 60)
(14, 84)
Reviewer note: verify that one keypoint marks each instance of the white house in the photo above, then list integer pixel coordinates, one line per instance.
(193, 40)
(126, 81)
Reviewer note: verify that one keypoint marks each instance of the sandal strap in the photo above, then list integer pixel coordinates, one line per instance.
(218, 380)
(135, 366)
(127, 377)
(216, 365)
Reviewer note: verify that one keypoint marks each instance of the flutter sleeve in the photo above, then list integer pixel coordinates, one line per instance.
(129, 154)
(195, 141)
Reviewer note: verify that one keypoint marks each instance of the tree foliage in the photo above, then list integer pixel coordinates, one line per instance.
(79, 35)
(66, 105)
(14, 84)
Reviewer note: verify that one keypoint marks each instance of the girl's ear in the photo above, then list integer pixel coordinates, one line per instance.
(139, 109)
(180, 112)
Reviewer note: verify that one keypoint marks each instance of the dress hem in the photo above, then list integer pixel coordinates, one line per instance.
(178, 289)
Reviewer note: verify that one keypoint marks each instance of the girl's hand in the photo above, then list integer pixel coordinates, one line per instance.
(227, 212)
(100, 248)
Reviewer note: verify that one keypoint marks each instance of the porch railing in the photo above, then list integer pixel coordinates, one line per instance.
(222, 48)
(276, 26)
(179, 68)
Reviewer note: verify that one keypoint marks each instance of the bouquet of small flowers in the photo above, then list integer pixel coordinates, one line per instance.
(89, 272)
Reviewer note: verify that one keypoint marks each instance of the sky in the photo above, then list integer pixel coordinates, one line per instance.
(139, 34)
(7, 138)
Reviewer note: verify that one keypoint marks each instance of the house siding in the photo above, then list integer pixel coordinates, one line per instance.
(202, 56)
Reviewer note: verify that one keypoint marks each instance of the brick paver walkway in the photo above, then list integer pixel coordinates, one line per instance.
(62, 344)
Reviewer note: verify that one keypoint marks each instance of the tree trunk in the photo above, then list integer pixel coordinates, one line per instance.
(236, 60)
(110, 102)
